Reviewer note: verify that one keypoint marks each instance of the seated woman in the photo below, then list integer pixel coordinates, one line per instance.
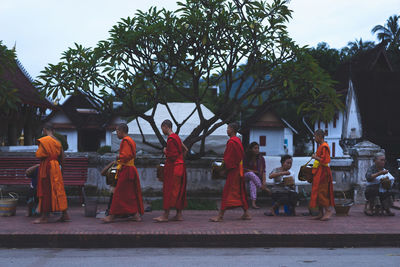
(283, 190)
(254, 171)
(375, 176)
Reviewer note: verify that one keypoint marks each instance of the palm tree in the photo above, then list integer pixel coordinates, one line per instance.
(390, 33)
(357, 46)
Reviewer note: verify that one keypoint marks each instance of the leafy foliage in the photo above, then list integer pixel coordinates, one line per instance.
(104, 149)
(160, 55)
(389, 33)
(357, 46)
(8, 93)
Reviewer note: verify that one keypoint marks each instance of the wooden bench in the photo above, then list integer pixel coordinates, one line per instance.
(12, 170)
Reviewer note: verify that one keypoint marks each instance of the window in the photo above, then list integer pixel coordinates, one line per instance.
(263, 140)
(333, 149)
(335, 118)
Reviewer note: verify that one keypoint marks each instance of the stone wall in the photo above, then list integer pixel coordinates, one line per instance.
(348, 172)
(198, 172)
(343, 173)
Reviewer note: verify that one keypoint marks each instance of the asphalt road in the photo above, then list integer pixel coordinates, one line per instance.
(353, 257)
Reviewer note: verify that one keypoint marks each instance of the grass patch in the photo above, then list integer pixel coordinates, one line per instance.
(193, 204)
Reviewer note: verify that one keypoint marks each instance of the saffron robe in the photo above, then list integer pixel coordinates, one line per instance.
(234, 193)
(322, 186)
(127, 197)
(50, 187)
(174, 187)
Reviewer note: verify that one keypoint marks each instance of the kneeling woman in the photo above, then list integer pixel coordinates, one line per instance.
(254, 168)
(283, 190)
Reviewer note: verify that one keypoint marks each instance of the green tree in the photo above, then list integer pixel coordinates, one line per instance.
(328, 58)
(9, 100)
(243, 45)
(355, 47)
(389, 33)
(8, 93)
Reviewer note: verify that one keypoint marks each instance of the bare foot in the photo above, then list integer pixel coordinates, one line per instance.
(318, 217)
(177, 218)
(108, 219)
(160, 219)
(389, 213)
(136, 218)
(40, 220)
(216, 219)
(273, 212)
(64, 218)
(255, 207)
(368, 212)
(327, 215)
(245, 217)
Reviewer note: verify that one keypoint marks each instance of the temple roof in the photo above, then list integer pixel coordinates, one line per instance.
(82, 114)
(21, 80)
(374, 60)
(266, 118)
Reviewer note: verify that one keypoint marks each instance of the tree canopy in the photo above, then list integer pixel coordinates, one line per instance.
(8, 93)
(240, 46)
(389, 33)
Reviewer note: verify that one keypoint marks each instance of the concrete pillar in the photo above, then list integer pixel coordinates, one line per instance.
(342, 173)
(363, 155)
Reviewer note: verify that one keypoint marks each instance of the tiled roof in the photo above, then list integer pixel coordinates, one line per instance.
(21, 80)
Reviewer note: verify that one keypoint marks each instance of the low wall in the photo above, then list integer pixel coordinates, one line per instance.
(345, 174)
(198, 172)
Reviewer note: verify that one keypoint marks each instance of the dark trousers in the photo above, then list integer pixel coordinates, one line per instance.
(372, 191)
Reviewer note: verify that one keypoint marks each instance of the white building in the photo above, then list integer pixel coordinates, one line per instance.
(84, 128)
(182, 112)
(272, 133)
(345, 125)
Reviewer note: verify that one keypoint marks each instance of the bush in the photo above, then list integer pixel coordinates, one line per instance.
(62, 140)
(104, 149)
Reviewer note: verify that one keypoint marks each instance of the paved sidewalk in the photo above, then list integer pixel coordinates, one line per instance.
(355, 230)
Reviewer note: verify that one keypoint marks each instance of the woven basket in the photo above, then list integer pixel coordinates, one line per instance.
(8, 205)
(386, 183)
(288, 181)
(342, 206)
(305, 173)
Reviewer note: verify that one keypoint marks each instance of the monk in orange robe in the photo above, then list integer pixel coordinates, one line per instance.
(234, 193)
(50, 188)
(174, 187)
(322, 186)
(127, 197)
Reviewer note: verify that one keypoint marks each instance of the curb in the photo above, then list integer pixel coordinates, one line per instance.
(197, 240)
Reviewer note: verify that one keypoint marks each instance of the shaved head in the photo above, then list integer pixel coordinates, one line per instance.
(234, 126)
(167, 123)
(123, 127)
(320, 133)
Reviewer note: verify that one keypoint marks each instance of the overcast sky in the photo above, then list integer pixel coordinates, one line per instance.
(43, 29)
